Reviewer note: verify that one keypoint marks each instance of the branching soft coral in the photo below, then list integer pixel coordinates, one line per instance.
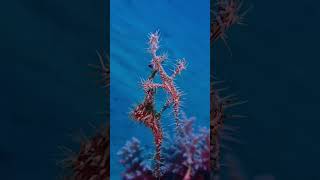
(134, 161)
(188, 157)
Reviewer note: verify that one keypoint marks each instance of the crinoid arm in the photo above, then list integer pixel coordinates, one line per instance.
(225, 13)
(145, 112)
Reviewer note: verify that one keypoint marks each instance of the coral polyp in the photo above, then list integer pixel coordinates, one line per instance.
(145, 112)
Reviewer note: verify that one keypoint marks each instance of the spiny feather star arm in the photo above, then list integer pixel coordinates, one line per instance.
(167, 81)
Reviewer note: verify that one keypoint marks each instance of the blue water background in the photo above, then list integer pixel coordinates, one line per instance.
(184, 29)
(48, 92)
(275, 67)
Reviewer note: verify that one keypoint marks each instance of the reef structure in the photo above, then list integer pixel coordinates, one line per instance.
(186, 158)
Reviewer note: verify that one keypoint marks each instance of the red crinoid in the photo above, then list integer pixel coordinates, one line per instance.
(167, 81)
(218, 129)
(103, 69)
(145, 112)
(92, 160)
(225, 14)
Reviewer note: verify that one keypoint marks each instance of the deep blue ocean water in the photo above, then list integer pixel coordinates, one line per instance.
(48, 92)
(184, 30)
(275, 67)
